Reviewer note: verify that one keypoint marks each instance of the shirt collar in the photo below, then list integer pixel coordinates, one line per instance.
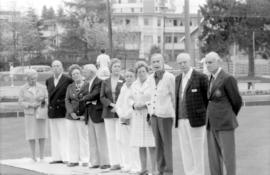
(58, 76)
(217, 72)
(159, 74)
(188, 74)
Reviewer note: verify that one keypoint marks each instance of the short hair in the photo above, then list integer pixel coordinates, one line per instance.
(183, 55)
(213, 55)
(72, 68)
(157, 55)
(57, 61)
(90, 67)
(30, 72)
(140, 64)
(114, 61)
(102, 50)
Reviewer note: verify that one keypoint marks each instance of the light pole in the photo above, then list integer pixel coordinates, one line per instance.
(109, 27)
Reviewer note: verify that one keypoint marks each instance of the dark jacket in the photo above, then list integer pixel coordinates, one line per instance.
(56, 96)
(72, 102)
(92, 101)
(107, 98)
(224, 103)
(195, 97)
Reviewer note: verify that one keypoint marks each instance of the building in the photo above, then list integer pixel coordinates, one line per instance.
(151, 22)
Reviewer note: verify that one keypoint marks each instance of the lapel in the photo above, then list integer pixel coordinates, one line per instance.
(92, 85)
(108, 82)
(119, 85)
(217, 82)
(60, 82)
(189, 82)
(178, 84)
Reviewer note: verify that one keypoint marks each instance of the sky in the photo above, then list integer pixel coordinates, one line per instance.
(22, 5)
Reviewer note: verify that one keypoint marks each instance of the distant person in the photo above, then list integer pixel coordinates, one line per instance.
(190, 118)
(103, 63)
(223, 107)
(142, 136)
(77, 134)
(98, 146)
(110, 90)
(129, 155)
(161, 109)
(31, 97)
(57, 87)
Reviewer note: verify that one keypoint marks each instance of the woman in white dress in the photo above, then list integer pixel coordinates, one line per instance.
(141, 131)
(129, 155)
(32, 96)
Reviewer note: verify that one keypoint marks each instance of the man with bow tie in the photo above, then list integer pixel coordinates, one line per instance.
(223, 107)
(190, 114)
(57, 87)
(161, 110)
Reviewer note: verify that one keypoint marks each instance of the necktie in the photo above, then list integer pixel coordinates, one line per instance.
(210, 84)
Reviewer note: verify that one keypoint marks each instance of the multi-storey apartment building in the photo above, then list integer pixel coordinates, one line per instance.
(151, 22)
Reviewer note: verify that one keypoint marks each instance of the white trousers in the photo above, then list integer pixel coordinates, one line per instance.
(58, 131)
(111, 127)
(129, 155)
(191, 144)
(77, 141)
(98, 143)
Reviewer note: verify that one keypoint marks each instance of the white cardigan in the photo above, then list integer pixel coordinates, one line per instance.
(123, 105)
(162, 96)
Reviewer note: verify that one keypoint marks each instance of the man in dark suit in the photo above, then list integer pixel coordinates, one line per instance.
(190, 119)
(223, 107)
(96, 129)
(57, 87)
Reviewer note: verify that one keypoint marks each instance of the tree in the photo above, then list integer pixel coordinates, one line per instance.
(44, 13)
(51, 13)
(228, 22)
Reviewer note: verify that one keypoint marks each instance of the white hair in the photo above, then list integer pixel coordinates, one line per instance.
(30, 73)
(213, 55)
(90, 67)
(183, 55)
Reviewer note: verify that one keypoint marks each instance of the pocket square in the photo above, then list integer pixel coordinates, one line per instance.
(194, 90)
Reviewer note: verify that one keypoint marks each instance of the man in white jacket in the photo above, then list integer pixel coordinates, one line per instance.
(161, 109)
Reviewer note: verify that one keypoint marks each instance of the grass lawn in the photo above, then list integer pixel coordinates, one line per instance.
(252, 142)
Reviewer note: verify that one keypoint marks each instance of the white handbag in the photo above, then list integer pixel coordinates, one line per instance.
(42, 112)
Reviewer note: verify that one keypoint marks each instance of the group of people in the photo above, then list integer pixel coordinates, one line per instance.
(116, 122)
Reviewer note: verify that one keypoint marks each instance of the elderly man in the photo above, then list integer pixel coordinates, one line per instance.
(57, 87)
(190, 119)
(224, 105)
(97, 135)
(161, 109)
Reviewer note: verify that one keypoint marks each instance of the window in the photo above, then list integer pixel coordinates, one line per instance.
(131, 1)
(175, 39)
(168, 39)
(146, 21)
(174, 22)
(190, 23)
(119, 1)
(181, 23)
(159, 39)
(159, 22)
(132, 10)
(127, 21)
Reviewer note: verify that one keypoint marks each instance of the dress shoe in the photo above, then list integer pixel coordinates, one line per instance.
(94, 166)
(56, 161)
(115, 167)
(72, 164)
(104, 166)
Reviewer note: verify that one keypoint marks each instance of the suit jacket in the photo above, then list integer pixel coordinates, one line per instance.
(72, 101)
(56, 108)
(224, 103)
(92, 99)
(27, 97)
(107, 98)
(195, 97)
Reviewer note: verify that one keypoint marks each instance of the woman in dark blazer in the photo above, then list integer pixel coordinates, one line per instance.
(110, 90)
(76, 128)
